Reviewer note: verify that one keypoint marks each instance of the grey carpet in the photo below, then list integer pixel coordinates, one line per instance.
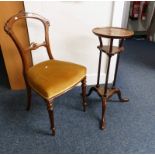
(130, 127)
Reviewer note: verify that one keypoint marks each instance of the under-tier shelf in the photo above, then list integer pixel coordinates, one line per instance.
(106, 49)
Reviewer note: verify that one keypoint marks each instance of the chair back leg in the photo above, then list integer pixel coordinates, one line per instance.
(84, 103)
(29, 97)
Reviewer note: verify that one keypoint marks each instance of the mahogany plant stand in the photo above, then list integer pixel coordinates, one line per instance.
(106, 92)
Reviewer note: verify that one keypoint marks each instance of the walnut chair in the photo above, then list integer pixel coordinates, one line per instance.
(50, 78)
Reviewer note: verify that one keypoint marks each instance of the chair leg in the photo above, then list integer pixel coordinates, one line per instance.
(104, 103)
(84, 103)
(51, 115)
(29, 96)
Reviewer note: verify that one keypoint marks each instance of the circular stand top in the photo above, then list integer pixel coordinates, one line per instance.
(112, 32)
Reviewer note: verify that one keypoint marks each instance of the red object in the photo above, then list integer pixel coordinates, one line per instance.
(144, 10)
(135, 10)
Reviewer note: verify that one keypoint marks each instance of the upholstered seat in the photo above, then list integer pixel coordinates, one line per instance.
(54, 77)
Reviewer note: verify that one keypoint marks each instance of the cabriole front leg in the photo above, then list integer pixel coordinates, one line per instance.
(50, 109)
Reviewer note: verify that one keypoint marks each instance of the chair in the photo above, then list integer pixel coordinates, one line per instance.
(50, 78)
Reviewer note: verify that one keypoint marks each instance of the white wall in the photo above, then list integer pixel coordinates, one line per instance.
(120, 12)
(125, 17)
(71, 31)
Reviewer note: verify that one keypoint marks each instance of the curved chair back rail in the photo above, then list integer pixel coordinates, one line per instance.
(33, 46)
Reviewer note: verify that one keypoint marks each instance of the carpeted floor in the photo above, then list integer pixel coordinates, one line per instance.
(130, 127)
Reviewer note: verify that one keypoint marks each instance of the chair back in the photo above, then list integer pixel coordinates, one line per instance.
(32, 46)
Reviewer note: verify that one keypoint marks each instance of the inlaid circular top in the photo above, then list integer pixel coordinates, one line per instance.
(112, 32)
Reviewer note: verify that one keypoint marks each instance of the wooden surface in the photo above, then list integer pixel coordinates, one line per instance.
(10, 53)
(112, 32)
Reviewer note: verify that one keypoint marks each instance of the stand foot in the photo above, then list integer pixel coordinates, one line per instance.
(120, 96)
(53, 131)
(91, 90)
(102, 126)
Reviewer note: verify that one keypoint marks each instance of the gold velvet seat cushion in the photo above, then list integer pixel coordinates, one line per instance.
(53, 77)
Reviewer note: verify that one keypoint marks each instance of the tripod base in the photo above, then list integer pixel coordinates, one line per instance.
(110, 92)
